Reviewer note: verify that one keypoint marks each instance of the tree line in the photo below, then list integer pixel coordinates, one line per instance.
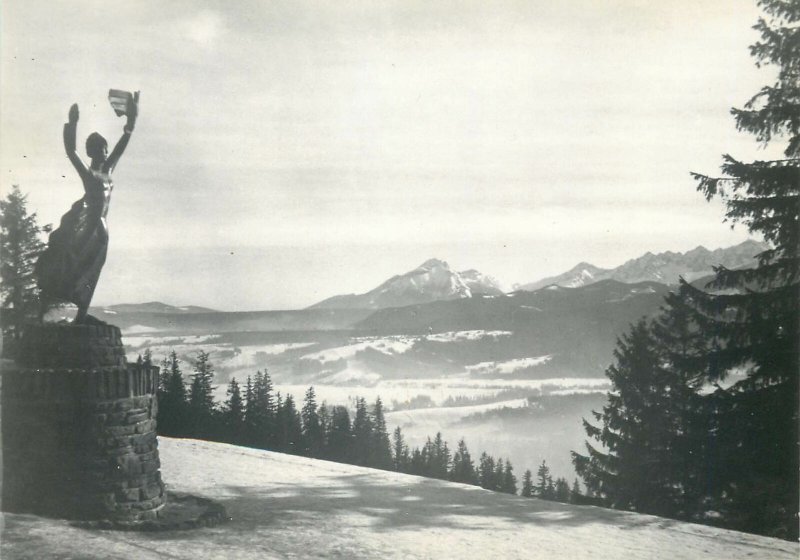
(258, 416)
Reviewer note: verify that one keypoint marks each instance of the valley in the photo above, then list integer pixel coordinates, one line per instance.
(514, 374)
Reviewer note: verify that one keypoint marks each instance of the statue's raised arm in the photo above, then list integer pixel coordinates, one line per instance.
(70, 132)
(132, 111)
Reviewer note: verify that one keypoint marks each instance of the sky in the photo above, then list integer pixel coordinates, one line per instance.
(289, 151)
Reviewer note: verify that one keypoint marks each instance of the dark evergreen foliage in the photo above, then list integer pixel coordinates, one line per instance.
(401, 457)
(362, 433)
(290, 430)
(339, 440)
(20, 246)
(682, 435)
(544, 482)
(381, 449)
(486, 471)
(313, 434)
(201, 396)
(232, 415)
(753, 324)
(173, 413)
(509, 483)
(463, 469)
(527, 484)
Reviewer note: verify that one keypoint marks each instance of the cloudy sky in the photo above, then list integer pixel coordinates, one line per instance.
(289, 151)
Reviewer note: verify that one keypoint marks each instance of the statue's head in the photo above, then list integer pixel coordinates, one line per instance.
(96, 146)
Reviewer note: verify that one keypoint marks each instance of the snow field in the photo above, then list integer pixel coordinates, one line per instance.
(292, 507)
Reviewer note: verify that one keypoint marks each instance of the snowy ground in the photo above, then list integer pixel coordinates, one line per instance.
(291, 507)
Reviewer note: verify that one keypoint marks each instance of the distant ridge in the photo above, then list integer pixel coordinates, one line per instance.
(156, 307)
(665, 267)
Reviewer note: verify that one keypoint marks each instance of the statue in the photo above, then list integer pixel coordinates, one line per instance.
(68, 270)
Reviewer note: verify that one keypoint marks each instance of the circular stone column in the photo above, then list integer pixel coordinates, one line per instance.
(79, 428)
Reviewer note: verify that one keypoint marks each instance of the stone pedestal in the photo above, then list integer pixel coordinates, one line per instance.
(79, 428)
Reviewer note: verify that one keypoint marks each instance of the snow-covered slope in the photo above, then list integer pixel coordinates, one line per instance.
(433, 280)
(292, 507)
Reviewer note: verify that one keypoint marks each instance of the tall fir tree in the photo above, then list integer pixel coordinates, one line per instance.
(401, 458)
(463, 469)
(575, 493)
(542, 478)
(261, 414)
(339, 440)
(313, 434)
(486, 471)
(201, 396)
(20, 246)
(172, 415)
(362, 433)
(509, 484)
(527, 484)
(439, 457)
(561, 490)
(381, 448)
(232, 415)
(638, 429)
(289, 426)
(750, 317)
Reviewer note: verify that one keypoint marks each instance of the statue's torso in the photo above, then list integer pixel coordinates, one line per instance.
(98, 188)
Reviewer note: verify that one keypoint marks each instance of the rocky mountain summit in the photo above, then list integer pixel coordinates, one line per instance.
(664, 268)
(433, 280)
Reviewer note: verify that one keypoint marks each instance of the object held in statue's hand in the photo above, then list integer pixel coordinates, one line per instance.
(120, 100)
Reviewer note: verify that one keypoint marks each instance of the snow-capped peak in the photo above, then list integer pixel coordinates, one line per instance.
(433, 280)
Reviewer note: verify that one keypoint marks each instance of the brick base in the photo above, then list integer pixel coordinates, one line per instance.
(79, 428)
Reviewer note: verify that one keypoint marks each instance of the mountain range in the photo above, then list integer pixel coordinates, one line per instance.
(434, 280)
(665, 267)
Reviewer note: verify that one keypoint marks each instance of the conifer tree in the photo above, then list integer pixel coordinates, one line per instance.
(289, 427)
(362, 434)
(638, 429)
(20, 246)
(381, 448)
(324, 415)
(463, 468)
(249, 412)
(575, 493)
(201, 396)
(418, 464)
(313, 435)
(439, 457)
(499, 475)
(550, 491)
(509, 485)
(486, 471)
(562, 491)
(751, 316)
(261, 415)
(340, 437)
(542, 477)
(401, 458)
(172, 417)
(527, 484)
(232, 414)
